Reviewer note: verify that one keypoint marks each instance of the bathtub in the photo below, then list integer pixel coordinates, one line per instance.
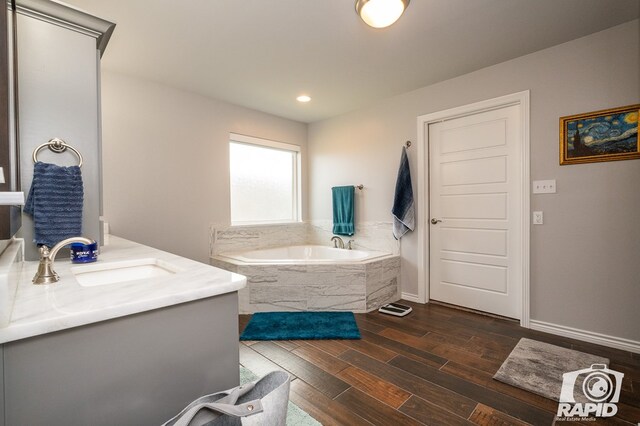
(313, 278)
(303, 255)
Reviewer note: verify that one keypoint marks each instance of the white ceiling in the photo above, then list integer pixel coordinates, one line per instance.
(263, 53)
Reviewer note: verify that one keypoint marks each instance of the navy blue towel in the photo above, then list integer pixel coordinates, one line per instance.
(403, 207)
(55, 202)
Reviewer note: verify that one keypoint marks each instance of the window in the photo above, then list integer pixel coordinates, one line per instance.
(265, 181)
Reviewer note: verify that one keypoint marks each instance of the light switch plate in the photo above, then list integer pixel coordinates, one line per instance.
(538, 218)
(544, 186)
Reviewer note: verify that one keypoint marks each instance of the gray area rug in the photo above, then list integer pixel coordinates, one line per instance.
(296, 416)
(538, 367)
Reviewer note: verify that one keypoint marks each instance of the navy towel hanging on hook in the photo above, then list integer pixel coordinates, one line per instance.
(403, 207)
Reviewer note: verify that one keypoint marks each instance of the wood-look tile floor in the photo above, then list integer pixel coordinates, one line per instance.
(432, 367)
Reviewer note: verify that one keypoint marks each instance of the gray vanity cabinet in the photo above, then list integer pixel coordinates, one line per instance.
(136, 370)
(58, 70)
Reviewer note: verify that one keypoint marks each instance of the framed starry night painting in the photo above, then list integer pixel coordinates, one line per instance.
(606, 135)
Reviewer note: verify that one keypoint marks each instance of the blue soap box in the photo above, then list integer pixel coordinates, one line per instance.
(84, 253)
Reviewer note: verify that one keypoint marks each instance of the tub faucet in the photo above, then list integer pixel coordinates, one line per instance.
(337, 242)
(45, 273)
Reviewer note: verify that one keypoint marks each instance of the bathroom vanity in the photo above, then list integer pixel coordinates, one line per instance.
(102, 348)
(132, 338)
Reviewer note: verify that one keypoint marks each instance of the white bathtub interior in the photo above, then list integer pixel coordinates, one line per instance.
(305, 253)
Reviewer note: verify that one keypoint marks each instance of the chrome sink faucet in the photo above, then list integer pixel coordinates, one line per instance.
(337, 242)
(350, 245)
(45, 273)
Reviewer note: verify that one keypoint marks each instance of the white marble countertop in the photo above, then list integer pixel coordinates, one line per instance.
(41, 309)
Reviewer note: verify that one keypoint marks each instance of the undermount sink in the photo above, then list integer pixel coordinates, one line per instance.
(123, 271)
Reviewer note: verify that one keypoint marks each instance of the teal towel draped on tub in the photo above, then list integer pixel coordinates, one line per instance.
(343, 202)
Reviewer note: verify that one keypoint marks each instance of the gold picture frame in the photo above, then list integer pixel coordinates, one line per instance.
(605, 135)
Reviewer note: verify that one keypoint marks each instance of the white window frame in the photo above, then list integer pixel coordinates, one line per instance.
(297, 176)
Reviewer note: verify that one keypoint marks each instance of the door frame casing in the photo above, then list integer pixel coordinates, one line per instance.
(521, 99)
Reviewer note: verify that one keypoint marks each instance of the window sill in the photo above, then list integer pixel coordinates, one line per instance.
(262, 224)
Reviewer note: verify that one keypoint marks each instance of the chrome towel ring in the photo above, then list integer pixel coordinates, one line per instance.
(57, 145)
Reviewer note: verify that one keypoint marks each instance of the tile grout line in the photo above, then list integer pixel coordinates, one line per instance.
(473, 411)
(335, 397)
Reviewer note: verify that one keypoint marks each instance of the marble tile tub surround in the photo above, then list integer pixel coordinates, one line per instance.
(376, 236)
(224, 238)
(357, 287)
(47, 308)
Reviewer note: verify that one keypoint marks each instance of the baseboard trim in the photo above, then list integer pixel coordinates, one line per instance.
(587, 336)
(410, 297)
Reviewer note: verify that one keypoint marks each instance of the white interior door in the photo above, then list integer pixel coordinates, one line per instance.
(475, 202)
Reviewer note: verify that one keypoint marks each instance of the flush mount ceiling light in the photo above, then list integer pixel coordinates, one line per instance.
(380, 13)
(303, 98)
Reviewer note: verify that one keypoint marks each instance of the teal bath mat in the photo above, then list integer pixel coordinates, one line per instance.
(301, 326)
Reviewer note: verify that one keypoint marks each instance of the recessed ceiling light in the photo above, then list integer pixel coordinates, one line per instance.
(303, 98)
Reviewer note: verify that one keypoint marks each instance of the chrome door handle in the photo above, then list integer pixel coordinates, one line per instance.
(435, 221)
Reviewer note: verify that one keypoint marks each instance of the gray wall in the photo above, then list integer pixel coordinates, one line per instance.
(58, 90)
(166, 161)
(585, 271)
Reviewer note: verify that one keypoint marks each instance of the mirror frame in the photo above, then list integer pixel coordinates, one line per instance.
(10, 216)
